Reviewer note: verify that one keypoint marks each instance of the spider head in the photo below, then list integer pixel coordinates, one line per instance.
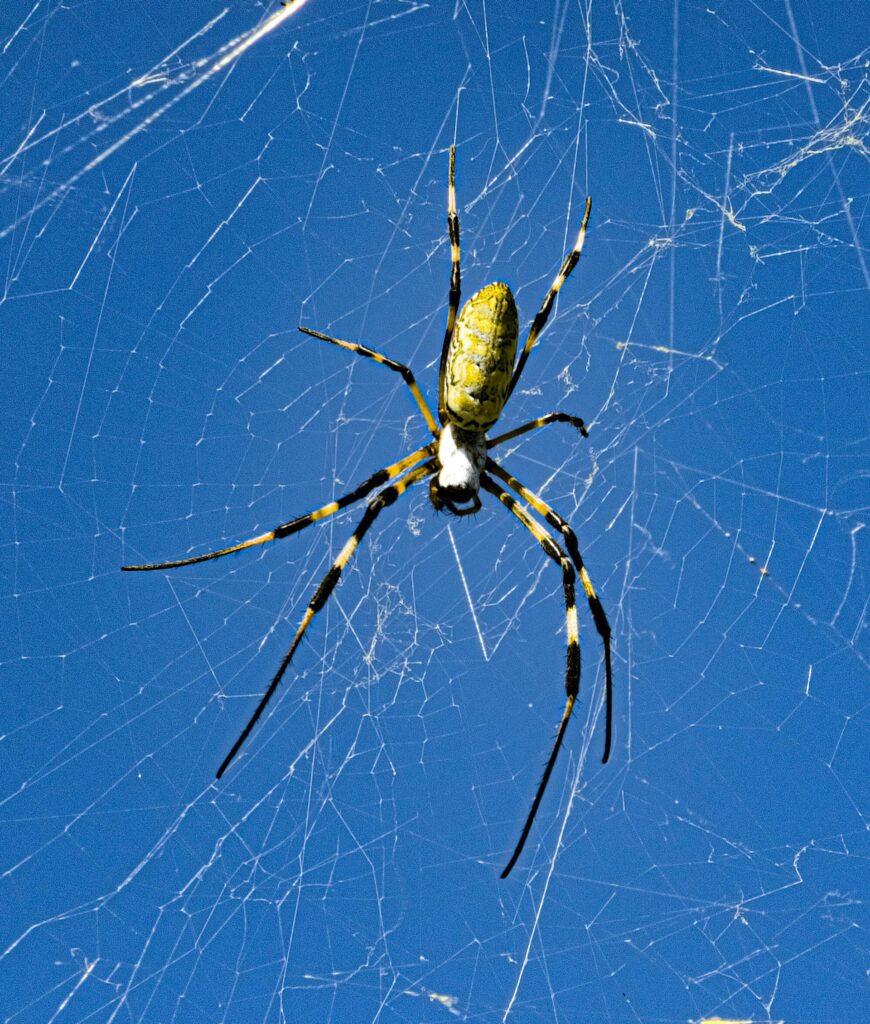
(461, 456)
(452, 499)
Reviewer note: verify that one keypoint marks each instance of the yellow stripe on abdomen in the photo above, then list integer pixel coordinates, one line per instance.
(480, 360)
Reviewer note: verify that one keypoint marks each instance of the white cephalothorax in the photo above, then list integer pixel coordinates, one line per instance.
(462, 456)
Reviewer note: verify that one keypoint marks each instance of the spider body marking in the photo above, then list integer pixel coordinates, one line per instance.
(480, 359)
(479, 364)
(478, 372)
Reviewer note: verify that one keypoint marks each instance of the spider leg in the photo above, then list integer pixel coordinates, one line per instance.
(391, 364)
(541, 421)
(572, 670)
(326, 586)
(598, 616)
(547, 305)
(455, 280)
(295, 525)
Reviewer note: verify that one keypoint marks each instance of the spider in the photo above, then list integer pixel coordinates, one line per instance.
(477, 376)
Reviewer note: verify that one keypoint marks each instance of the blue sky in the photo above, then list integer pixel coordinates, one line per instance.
(168, 217)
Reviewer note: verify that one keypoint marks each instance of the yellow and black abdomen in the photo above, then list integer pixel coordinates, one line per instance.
(480, 360)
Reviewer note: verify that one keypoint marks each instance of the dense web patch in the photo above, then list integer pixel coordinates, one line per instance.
(181, 187)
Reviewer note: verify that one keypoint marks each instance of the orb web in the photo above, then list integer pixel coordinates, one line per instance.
(181, 188)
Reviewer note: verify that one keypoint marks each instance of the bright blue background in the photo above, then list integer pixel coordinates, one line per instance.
(164, 242)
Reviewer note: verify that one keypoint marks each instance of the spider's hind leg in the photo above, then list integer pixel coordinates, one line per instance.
(543, 314)
(405, 372)
(536, 424)
(455, 281)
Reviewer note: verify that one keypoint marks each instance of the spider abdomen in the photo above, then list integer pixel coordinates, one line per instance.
(480, 360)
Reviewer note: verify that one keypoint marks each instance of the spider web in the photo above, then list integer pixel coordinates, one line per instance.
(181, 186)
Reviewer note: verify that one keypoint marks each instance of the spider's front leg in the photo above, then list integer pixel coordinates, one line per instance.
(572, 668)
(602, 624)
(292, 526)
(388, 496)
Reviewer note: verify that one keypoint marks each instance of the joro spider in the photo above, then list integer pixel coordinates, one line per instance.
(477, 376)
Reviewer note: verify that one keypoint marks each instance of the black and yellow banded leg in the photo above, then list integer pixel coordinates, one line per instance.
(543, 313)
(381, 500)
(598, 616)
(295, 525)
(541, 421)
(391, 364)
(455, 280)
(572, 669)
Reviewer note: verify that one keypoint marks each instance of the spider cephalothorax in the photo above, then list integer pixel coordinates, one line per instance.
(477, 376)
(461, 458)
